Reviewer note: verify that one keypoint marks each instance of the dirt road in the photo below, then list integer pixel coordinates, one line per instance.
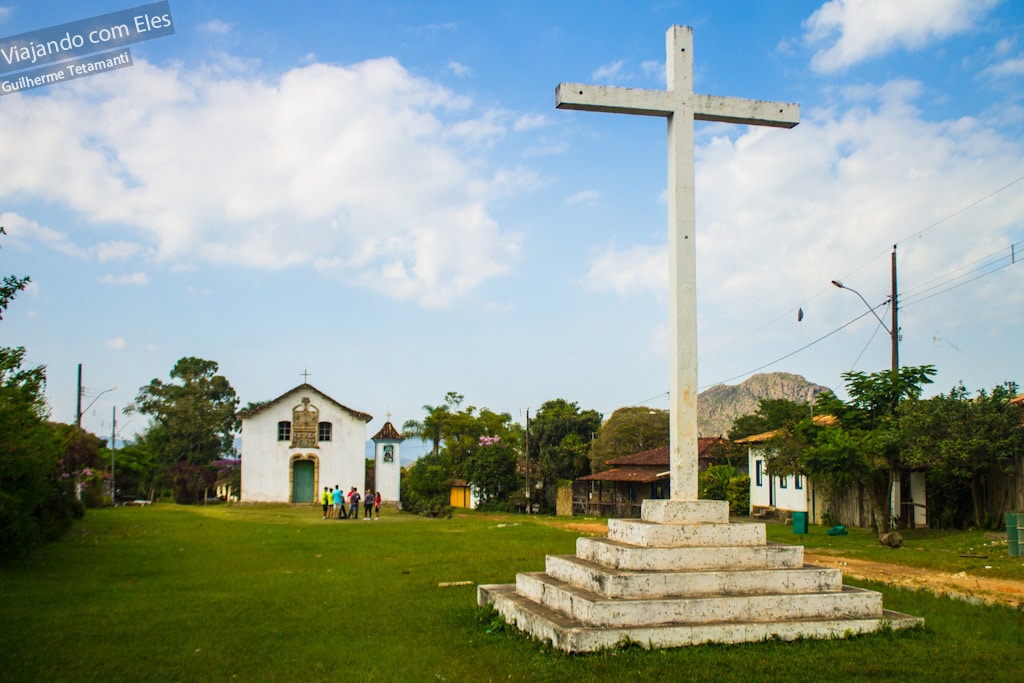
(961, 585)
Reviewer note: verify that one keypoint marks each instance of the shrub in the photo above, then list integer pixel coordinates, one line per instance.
(738, 495)
(190, 481)
(426, 488)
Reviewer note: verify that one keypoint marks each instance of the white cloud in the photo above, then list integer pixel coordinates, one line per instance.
(5, 12)
(116, 251)
(127, 279)
(846, 32)
(1003, 47)
(584, 198)
(781, 213)
(460, 70)
(630, 271)
(654, 69)
(530, 122)
(1010, 67)
(116, 343)
(607, 72)
(26, 233)
(480, 131)
(215, 26)
(377, 175)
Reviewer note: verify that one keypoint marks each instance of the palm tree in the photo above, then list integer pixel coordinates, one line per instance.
(431, 428)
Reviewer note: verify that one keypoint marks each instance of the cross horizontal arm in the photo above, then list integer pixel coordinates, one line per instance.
(613, 99)
(751, 112)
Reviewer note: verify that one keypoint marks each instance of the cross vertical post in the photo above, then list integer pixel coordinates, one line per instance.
(680, 106)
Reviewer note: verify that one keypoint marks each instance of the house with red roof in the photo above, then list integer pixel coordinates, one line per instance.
(632, 479)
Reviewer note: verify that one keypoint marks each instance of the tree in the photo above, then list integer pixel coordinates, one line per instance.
(771, 414)
(492, 472)
(628, 431)
(37, 503)
(11, 285)
(963, 441)
(560, 438)
(460, 438)
(193, 418)
(862, 445)
(426, 486)
(432, 427)
(137, 470)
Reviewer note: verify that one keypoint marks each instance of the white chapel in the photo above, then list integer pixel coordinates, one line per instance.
(300, 442)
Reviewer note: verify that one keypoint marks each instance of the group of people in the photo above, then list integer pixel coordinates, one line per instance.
(336, 501)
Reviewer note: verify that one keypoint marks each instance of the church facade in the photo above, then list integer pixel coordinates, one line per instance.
(298, 443)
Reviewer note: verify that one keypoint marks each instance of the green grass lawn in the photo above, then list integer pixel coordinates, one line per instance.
(978, 553)
(274, 593)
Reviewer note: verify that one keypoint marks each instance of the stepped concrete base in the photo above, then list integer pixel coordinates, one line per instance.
(569, 635)
(683, 575)
(616, 583)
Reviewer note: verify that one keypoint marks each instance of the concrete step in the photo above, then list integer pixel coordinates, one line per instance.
(625, 556)
(618, 583)
(570, 635)
(685, 511)
(592, 609)
(660, 535)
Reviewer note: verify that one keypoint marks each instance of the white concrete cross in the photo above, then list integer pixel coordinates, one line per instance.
(680, 105)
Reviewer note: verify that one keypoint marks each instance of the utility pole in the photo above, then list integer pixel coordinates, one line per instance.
(113, 448)
(895, 333)
(78, 403)
(894, 329)
(527, 442)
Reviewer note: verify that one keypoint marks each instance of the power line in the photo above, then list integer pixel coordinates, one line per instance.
(961, 210)
(870, 339)
(791, 353)
(988, 265)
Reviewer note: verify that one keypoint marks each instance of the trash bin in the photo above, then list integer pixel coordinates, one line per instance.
(1014, 522)
(799, 522)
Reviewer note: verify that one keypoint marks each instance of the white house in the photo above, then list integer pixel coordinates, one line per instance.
(796, 493)
(298, 443)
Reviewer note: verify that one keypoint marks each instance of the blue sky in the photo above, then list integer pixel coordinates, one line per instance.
(384, 194)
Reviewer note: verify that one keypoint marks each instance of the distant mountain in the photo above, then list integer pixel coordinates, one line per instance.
(718, 406)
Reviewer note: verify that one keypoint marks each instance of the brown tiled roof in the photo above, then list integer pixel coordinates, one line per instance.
(653, 457)
(388, 431)
(659, 457)
(640, 475)
(365, 417)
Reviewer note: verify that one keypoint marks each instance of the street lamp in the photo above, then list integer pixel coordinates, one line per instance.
(78, 417)
(894, 331)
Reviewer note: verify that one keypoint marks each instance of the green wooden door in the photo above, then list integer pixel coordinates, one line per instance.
(303, 486)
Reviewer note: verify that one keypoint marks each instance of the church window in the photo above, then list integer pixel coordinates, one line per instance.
(284, 430)
(757, 473)
(324, 431)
